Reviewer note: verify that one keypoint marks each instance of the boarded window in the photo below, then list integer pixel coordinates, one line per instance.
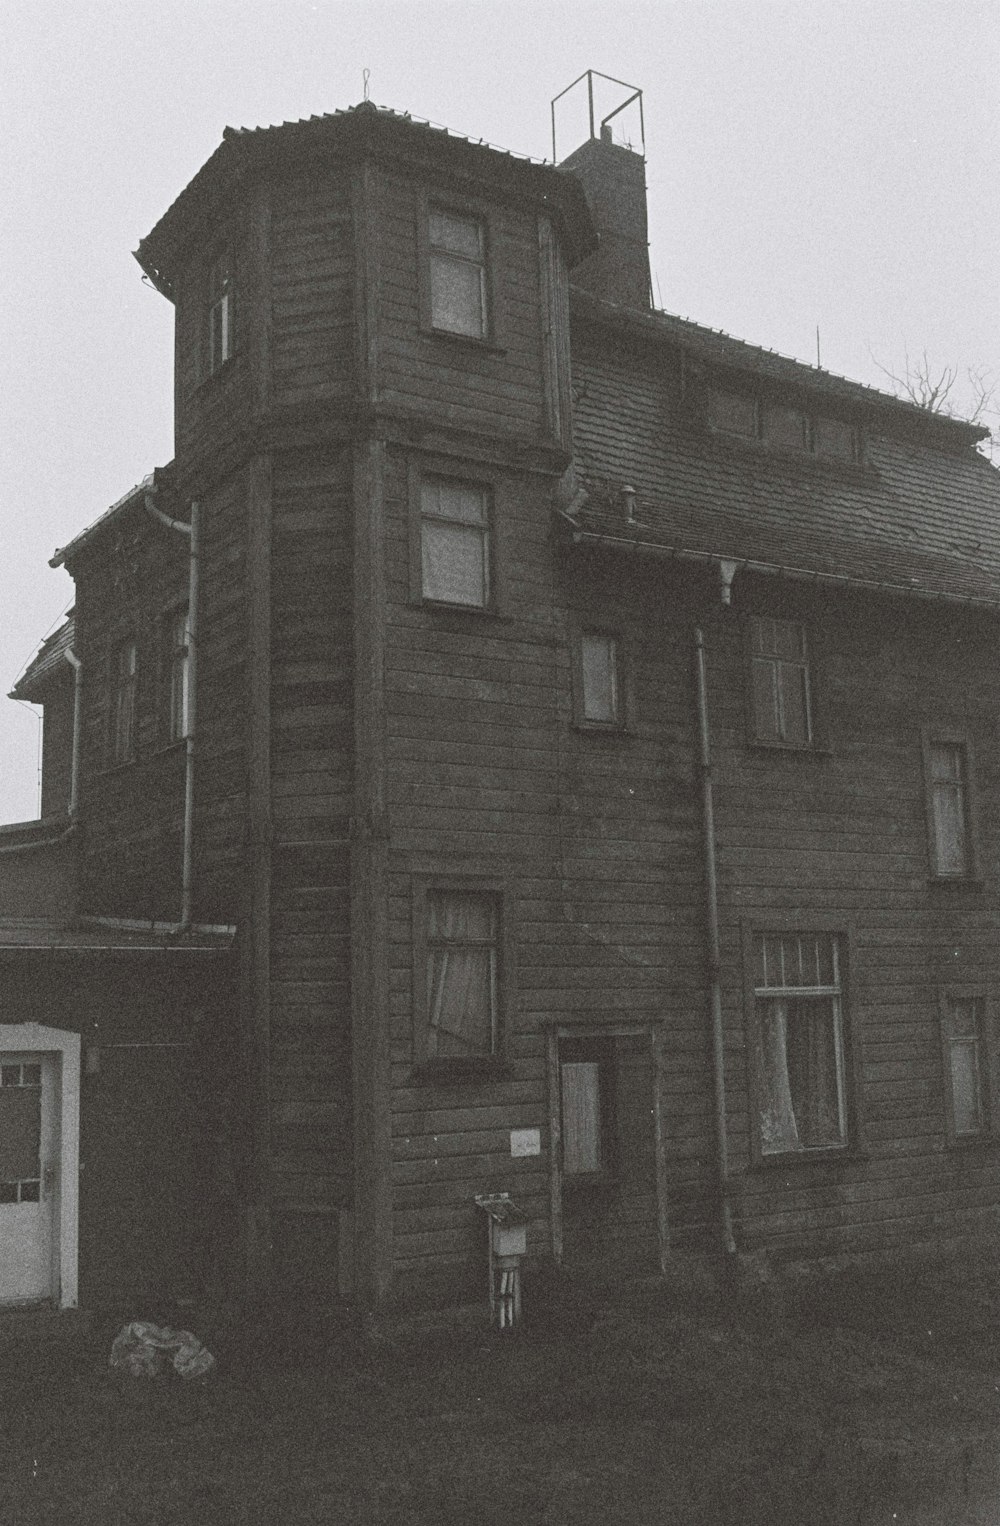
(782, 707)
(733, 413)
(462, 974)
(178, 675)
(454, 542)
(964, 1055)
(947, 767)
(219, 338)
(599, 683)
(123, 687)
(834, 440)
(800, 1036)
(457, 249)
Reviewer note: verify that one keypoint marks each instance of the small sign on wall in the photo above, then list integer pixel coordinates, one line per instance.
(525, 1142)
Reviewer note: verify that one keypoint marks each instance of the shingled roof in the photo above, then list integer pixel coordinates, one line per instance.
(921, 515)
(364, 128)
(49, 662)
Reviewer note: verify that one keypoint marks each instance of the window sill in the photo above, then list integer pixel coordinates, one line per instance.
(439, 608)
(984, 1141)
(448, 1072)
(781, 1161)
(835, 466)
(601, 728)
(486, 345)
(806, 749)
(215, 378)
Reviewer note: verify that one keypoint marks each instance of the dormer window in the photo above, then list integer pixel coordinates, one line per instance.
(219, 336)
(781, 426)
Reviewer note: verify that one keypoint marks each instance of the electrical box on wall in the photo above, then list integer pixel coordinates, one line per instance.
(525, 1142)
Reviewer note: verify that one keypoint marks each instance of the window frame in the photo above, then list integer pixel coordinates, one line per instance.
(760, 436)
(803, 925)
(118, 757)
(948, 995)
(226, 299)
(491, 486)
(434, 1067)
(471, 208)
(579, 630)
(930, 737)
(175, 659)
(816, 739)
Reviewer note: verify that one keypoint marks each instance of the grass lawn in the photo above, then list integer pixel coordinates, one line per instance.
(846, 1399)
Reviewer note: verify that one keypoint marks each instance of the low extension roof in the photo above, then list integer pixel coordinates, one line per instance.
(48, 663)
(358, 129)
(27, 935)
(919, 516)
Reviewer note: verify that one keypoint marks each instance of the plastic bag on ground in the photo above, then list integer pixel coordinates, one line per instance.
(145, 1350)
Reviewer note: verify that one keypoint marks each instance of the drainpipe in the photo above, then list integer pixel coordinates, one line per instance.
(74, 773)
(714, 956)
(191, 529)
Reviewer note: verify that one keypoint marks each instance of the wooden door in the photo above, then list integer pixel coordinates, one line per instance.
(29, 1159)
(607, 1153)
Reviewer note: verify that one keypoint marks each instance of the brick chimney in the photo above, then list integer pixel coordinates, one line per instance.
(614, 179)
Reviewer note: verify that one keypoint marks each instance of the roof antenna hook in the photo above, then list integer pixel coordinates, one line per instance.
(366, 76)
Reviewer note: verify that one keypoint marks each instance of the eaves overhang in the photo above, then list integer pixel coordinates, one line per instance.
(731, 563)
(359, 131)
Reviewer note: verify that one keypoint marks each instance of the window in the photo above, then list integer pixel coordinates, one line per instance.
(780, 689)
(949, 801)
(963, 1036)
(457, 273)
(834, 440)
(455, 542)
(219, 346)
(122, 714)
(781, 426)
(586, 1099)
(733, 413)
(462, 975)
(599, 698)
(785, 427)
(799, 1020)
(178, 676)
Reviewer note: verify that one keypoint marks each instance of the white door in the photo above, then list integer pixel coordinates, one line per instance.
(29, 1160)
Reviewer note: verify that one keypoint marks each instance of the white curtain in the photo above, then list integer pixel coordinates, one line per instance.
(777, 1123)
(460, 975)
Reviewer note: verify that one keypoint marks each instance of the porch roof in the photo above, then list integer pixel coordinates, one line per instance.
(26, 935)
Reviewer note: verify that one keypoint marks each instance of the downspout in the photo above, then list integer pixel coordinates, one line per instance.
(191, 530)
(74, 772)
(714, 954)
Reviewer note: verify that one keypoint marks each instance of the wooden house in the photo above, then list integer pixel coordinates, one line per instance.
(536, 744)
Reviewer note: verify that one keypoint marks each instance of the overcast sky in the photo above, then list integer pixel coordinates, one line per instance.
(809, 164)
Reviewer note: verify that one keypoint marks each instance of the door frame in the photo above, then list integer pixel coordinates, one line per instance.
(38, 1039)
(653, 1030)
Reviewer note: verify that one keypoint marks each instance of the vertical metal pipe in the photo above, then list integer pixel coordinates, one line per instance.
(74, 773)
(187, 865)
(714, 954)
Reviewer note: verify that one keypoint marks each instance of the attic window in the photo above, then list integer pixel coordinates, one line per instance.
(785, 427)
(733, 413)
(781, 426)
